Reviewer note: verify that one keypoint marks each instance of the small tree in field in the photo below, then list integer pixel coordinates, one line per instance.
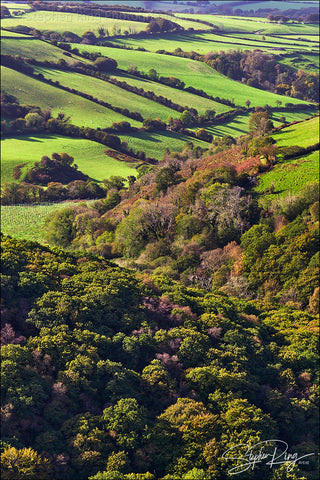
(260, 123)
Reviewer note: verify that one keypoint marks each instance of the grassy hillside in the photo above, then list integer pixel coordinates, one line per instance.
(6, 33)
(253, 25)
(28, 221)
(88, 155)
(110, 93)
(82, 112)
(154, 144)
(61, 22)
(32, 48)
(196, 74)
(206, 42)
(302, 134)
(290, 177)
(179, 96)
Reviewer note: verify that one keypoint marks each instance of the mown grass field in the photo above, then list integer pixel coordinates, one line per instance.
(253, 25)
(205, 42)
(154, 144)
(302, 134)
(290, 177)
(32, 48)
(78, 24)
(240, 125)
(196, 74)
(88, 155)
(280, 5)
(181, 97)
(309, 63)
(112, 94)
(82, 112)
(28, 221)
(7, 33)
(16, 6)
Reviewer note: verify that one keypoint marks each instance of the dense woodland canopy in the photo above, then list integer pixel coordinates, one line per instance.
(169, 318)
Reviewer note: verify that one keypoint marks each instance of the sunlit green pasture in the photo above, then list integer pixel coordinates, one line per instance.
(254, 25)
(290, 177)
(28, 221)
(210, 42)
(7, 33)
(302, 134)
(82, 112)
(286, 5)
(16, 6)
(240, 125)
(72, 22)
(180, 97)
(192, 72)
(155, 144)
(110, 93)
(88, 155)
(32, 48)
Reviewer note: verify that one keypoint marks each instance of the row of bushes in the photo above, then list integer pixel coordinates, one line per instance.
(172, 82)
(123, 111)
(23, 193)
(296, 151)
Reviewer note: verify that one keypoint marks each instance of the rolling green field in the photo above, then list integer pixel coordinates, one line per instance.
(178, 96)
(309, 63)
(154, 144)
(205, 42)
(82, 112)
(28, 221)
(302, 134)
(78, 24)
(32, 48)
(16, 6)
(88, 155)
(196, 74)
(110, 93)
(7, 33)
(290, 177)
(253, 25)
(240, 125)
(279, 5)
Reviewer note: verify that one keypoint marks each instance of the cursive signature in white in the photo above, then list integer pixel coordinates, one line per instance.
(271, 452)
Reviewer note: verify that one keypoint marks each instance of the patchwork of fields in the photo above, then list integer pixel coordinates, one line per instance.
(299, 41)
(88, 155)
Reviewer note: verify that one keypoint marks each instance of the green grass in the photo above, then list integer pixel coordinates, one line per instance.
(154, 144)
(7, 33)
(87, 155)
(240, 125)
(82, 112)
(290, 177)
(16, 6)
(28, 221)
(110, 93)
(78, 24)
(32, 48)
(309, 63)
(196, 74)
(302, 134)
(178, 96)
(253, 25)
(278, 5)
(203, 43)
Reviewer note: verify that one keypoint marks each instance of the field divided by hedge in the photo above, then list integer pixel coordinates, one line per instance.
(112, 94)
(83, 112)
(192, 73)
(38, 49)
(88, 155)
